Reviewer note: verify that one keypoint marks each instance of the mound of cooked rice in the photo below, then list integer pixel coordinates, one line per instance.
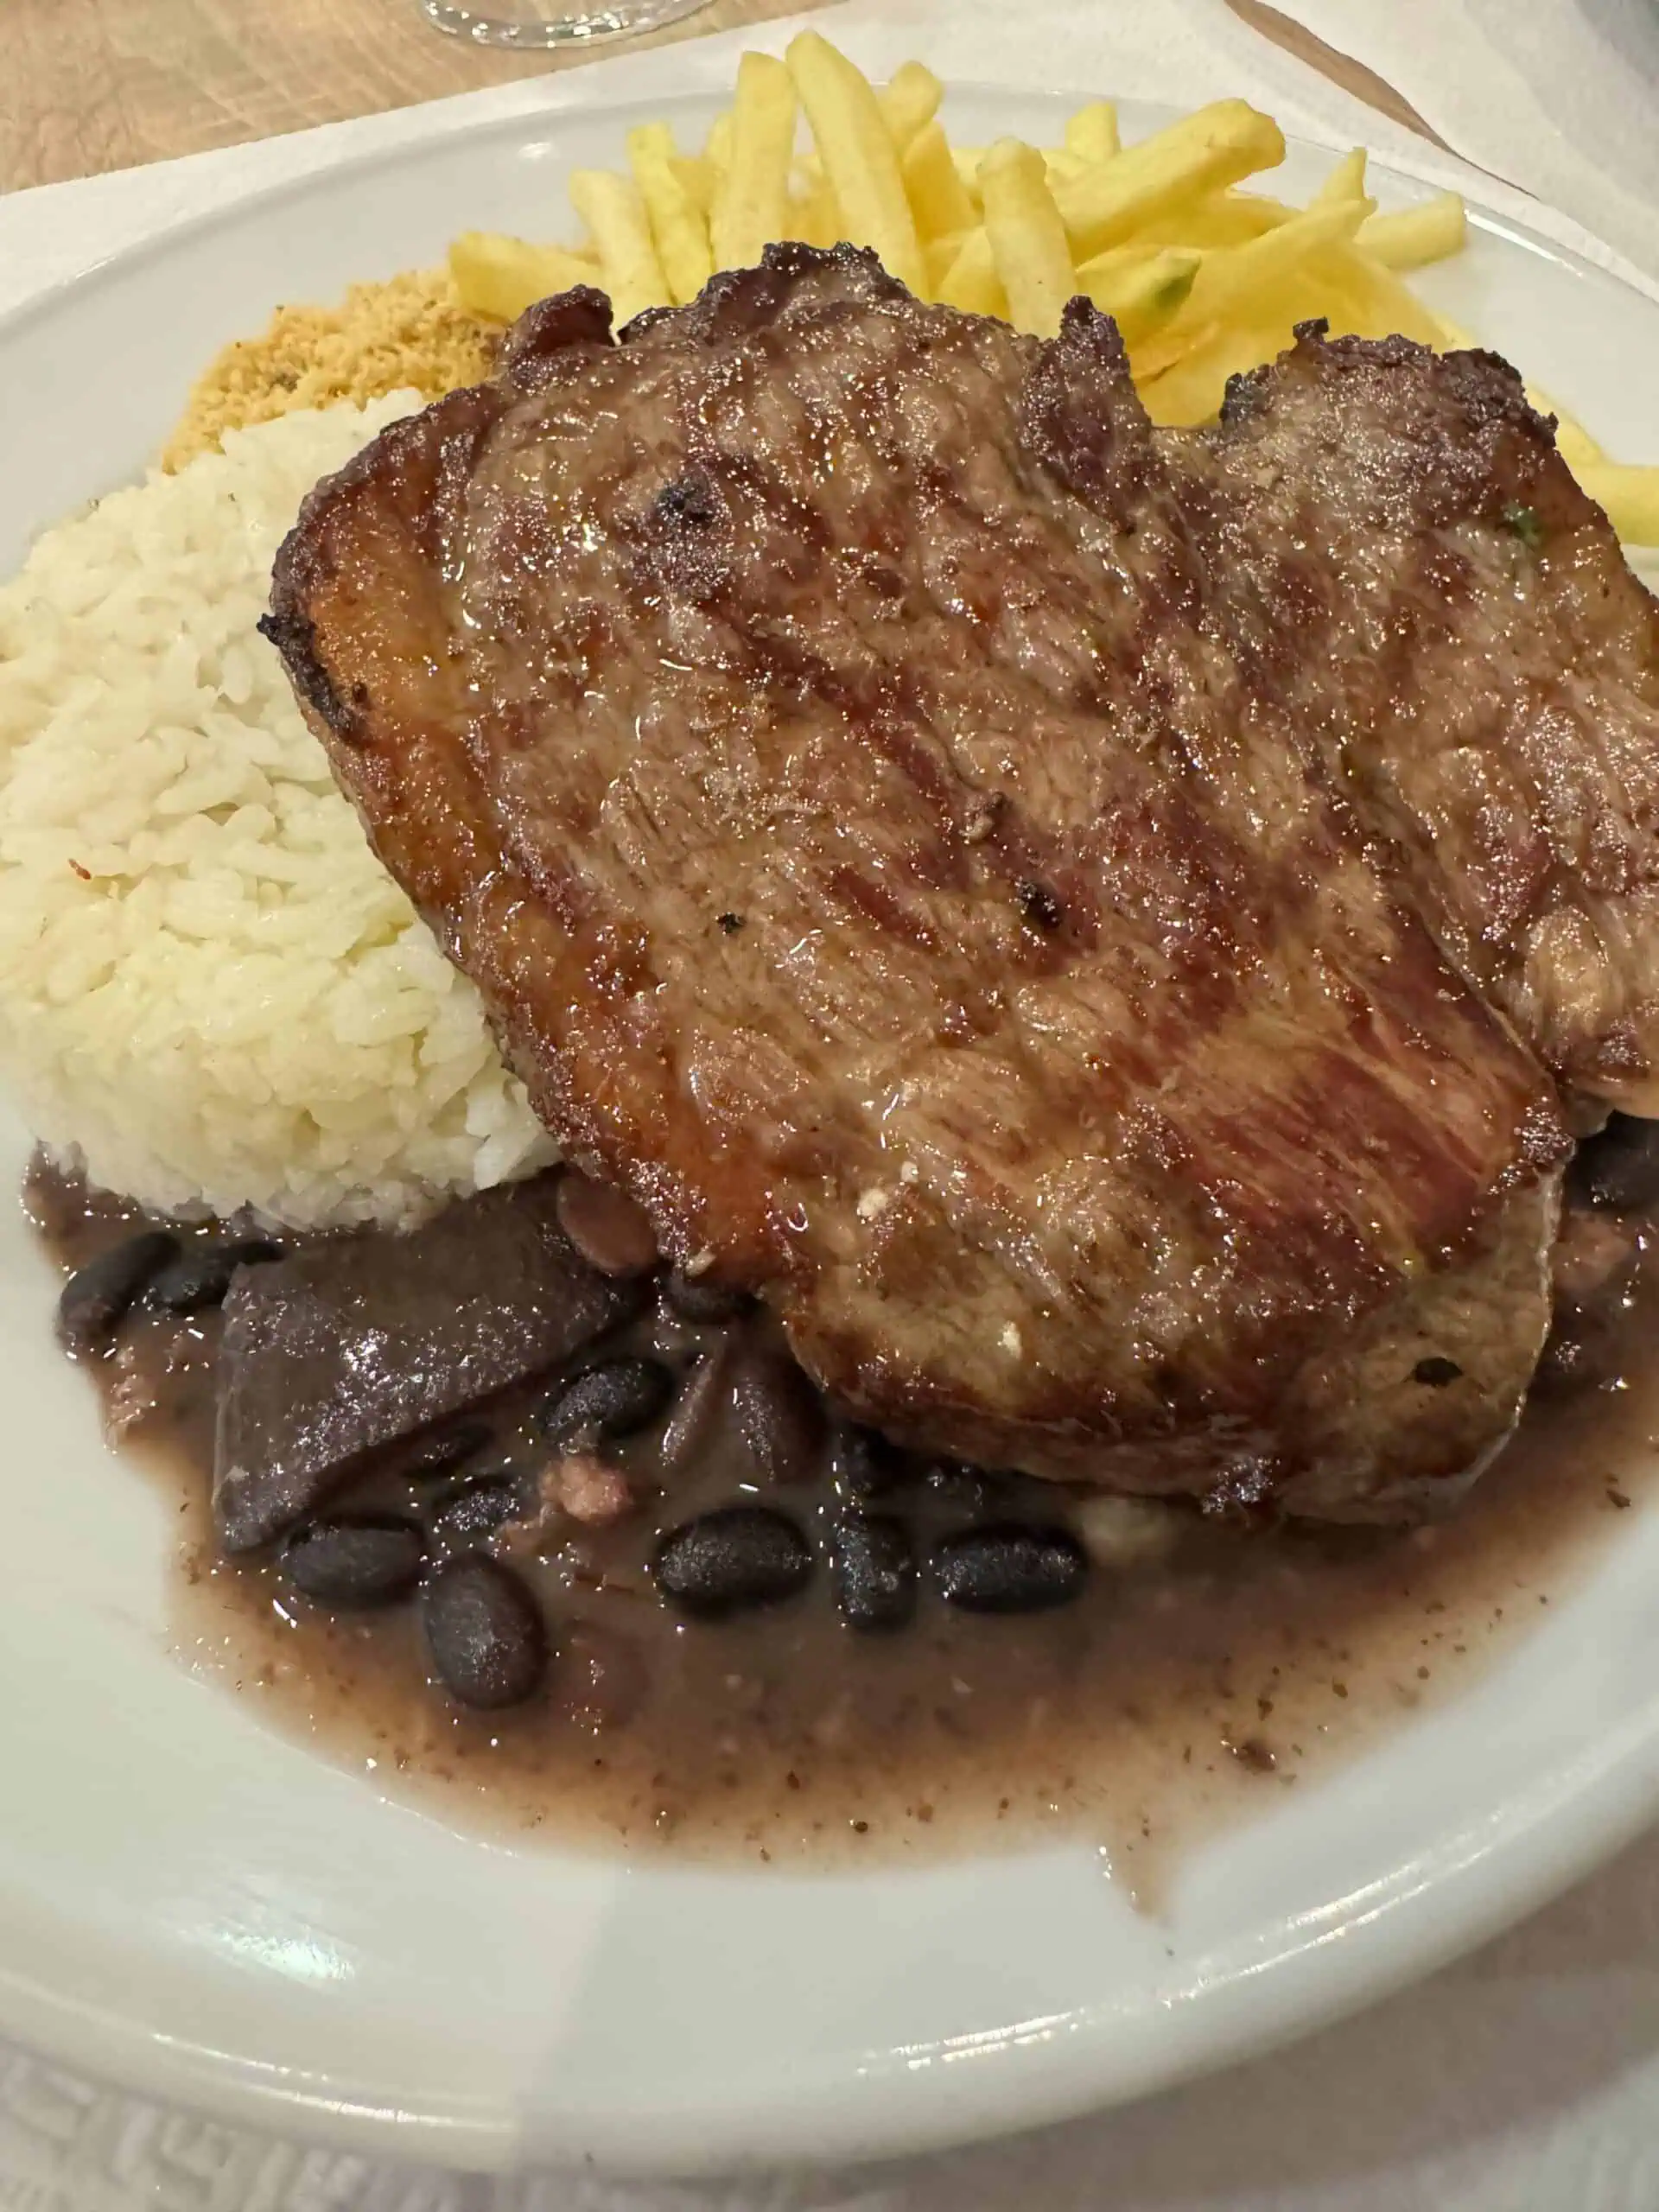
(212, 995)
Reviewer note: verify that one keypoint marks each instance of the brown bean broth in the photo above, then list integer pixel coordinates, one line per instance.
(1176, 1693)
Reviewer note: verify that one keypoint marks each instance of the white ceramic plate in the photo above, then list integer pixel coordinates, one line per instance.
(209, 1914)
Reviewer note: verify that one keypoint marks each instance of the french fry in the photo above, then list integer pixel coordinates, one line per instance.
(967, 159)
(1230, 282)
(753, 190)
(909, 102)
(858, 158)
(1629, 495)
(498, 277)
(1413, 236)
(1345, 182)
(697, 175)
(615, 214)
(1380, 305)
(812, 215)
(938, 199)
(1029, 242)
(1218, 219)
(679, 229)
(1192, 390)
(1203, 152)
(940, 257)
(1138, 290)
(1203, 279)
(1091, 133)
(971, 281)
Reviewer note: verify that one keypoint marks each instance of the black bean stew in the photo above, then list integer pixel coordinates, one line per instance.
(648, 1583)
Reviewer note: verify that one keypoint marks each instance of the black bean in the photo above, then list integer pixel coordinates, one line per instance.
(97, 1297)
(962, 1490)
(873, 1571)
(1619, 1167)
(354, 1559)
(705, 1398)
(607, 1228)
(436, 1451)
(470, 1513)
(201, 1273)
(780, 1417)
(1010, 1566)
(694, 1298)
(736, 1557)
(614, 1399)
(867, 1465)
(485, 1632)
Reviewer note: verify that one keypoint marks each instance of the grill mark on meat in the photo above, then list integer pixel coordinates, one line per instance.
(905, 613)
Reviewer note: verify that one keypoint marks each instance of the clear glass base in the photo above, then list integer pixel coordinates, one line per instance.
(528, 25)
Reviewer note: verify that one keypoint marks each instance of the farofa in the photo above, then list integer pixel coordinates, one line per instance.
(410, 332)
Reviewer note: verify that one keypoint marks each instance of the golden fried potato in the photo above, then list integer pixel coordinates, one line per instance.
(1413, 236)
(1139, 290)
(1029, 248)
(499, 277)
(971, 281)
(1232, 282)
(1629, 495)
(679, 229)
(858, 157)
(1218, 218)
(1091, 133)
(1203, 278)
(1345, 182)
(939, 198)
(752, 193)
(909, 102)
(1202, 153)
(615, 214)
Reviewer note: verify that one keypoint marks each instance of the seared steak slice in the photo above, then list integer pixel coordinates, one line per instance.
(813, 726)
(1408, 563)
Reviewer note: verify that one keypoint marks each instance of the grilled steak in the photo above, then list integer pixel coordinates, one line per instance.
(843, 743)
(1470, 643)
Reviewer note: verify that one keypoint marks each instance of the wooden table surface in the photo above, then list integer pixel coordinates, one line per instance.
(95, 85)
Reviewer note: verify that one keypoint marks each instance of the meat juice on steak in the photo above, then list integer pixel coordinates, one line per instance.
(1203, 1662)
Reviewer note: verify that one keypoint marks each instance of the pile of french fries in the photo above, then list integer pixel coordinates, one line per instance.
(1203, 279)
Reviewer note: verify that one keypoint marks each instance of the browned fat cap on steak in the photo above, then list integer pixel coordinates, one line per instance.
(838, 737)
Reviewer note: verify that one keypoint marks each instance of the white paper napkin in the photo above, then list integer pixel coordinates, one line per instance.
(1559, 95)
(1526, 2080)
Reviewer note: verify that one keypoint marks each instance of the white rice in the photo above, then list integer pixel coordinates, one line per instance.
(212, 995)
